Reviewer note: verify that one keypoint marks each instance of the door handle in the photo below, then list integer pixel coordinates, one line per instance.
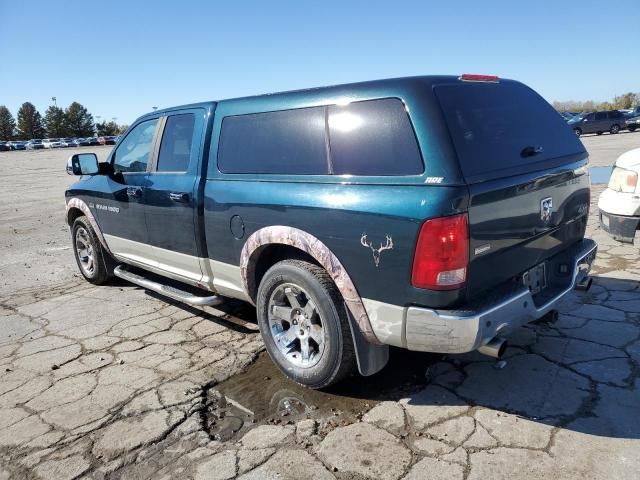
(134, 192)
(179, 197)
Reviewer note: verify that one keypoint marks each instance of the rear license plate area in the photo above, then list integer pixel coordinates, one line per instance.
(535, 279)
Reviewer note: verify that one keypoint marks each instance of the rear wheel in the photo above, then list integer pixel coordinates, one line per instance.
(304, 324)
(598, 133)
(577, 131)
(632, 129)
(614, 129)
(94, 262)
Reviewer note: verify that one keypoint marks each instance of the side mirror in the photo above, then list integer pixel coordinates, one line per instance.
(82, 164)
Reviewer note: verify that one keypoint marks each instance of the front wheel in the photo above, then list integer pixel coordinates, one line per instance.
(304, 324)
(632, 129)
(94, 262)
(577, 131)
(614, 129)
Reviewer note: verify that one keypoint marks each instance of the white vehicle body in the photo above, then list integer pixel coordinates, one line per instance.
(51, 143)
(619, 204)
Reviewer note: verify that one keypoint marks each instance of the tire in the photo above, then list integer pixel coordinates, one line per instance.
(598, 133)
(615, 128)
(577, 131)
(632, 129)
(311, 312)
(94, 262)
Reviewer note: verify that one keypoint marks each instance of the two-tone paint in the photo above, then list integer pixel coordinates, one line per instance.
(211, 229)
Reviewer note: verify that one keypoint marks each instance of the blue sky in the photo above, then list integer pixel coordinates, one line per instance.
(121, 58)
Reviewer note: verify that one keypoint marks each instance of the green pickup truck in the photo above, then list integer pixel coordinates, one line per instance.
(427, 213)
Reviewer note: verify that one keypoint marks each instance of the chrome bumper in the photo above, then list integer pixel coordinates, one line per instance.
(451, 331)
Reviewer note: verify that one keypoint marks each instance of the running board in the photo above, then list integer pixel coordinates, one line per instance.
(166, 290)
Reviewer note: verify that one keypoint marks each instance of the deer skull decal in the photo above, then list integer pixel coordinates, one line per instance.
(376, 251)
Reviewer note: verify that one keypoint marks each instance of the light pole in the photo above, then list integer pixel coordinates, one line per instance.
(154, 108)
(54, 102)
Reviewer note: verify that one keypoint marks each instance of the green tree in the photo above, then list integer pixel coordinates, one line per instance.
(78, 121)
(624, 101)
(29, 122)
(55, 122)
(7, 124)
(107, 128)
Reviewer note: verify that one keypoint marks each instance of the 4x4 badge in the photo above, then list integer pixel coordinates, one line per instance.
(546, 209)
(376, 251)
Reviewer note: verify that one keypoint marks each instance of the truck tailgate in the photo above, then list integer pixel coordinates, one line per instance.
(527, 179)
(516, 225)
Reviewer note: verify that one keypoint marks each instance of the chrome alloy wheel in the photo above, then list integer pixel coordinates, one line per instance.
(85, 252)
(296, 326)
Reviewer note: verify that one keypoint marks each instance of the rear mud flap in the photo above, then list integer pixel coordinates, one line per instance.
(371, 357)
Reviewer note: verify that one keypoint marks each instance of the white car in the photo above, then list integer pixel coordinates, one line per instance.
(51, 143)
(619, 204)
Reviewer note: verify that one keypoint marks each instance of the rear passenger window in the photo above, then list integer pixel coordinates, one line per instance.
(373, 137)
(284, 142)
(175, 149)
(601, 116)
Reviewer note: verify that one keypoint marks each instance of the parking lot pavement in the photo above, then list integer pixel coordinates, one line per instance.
(606, 148)
(111, 382)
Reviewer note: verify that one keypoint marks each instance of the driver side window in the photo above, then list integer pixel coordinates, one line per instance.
(133, 153)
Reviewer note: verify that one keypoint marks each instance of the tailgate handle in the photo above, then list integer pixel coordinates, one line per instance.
(531, 151)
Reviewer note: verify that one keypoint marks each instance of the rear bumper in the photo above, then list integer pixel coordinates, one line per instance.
(459, 331)
(620, 227)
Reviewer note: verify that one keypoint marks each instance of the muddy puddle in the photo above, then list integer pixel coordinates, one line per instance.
(263, 395)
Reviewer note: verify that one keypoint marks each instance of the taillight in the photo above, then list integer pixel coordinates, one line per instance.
(442, 254)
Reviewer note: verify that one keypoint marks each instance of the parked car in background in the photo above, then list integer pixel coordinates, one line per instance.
(611, 121)
(107, 140)
(632, 123)
(632, 112)
(17, 145)
(34, 144)
(67, 142)
(566, 115)
(82, 142)
(619, 204)
(426, 213)
(51, 143)
(93, 141)
(4, 147)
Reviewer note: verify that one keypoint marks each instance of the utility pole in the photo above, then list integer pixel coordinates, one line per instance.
(54, 102)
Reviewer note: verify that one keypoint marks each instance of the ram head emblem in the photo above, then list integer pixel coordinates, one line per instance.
(376, 251)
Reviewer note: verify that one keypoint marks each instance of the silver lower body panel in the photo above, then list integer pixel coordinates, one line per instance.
(460, 331)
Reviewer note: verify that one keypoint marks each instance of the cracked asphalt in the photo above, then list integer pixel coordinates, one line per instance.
(112, 382)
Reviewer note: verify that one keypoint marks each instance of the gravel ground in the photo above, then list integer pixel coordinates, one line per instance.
(111, 382)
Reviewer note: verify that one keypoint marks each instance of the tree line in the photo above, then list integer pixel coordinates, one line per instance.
(627, 100)
(73, 121)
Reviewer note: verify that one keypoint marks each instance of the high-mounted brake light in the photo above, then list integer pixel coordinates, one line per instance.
(442, 254)
(470, 77)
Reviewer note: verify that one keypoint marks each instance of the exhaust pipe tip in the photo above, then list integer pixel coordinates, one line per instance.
(584, 284)
(494, 348)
